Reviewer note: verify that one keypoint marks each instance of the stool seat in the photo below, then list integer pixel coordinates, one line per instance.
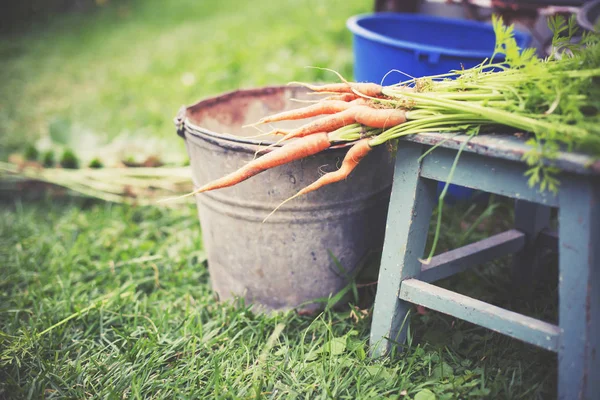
(509, 147)
(494, 163)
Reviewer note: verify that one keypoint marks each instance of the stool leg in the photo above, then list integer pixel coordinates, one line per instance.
(408, 218)
(531, 219)
(579, 290)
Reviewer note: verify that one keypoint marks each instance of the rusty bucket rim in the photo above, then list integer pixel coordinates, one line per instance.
(183, 122)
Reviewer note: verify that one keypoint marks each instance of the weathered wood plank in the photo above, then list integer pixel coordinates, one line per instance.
(579, 289)
(452, 262)
(507, 147)
(509, 323)
(411, 204)
(492, 175)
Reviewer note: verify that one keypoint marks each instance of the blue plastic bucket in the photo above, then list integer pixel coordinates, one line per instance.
(420, 45)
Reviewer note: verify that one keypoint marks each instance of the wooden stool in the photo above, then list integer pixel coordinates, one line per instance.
(492, 163)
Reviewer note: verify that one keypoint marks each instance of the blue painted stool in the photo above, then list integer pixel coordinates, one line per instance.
(492, 163)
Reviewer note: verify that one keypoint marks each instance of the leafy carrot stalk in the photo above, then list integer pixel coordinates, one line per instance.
(365, 115)
(322, 107)
(354, 156)
(290, 152)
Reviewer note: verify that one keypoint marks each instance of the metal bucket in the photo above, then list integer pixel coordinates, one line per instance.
(286, 261)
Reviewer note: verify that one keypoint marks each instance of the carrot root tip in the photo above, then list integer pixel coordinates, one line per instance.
(170, 199)
(306, 85)
(281, 204)
(304, 101)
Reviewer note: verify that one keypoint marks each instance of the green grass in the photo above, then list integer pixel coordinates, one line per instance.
(111, 301)
(106, 301)
(123, 69)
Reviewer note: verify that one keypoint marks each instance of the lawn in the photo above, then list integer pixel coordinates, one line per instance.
(126, 69)
(106, 301)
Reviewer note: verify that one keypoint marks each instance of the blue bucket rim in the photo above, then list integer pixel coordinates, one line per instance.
(353, 25)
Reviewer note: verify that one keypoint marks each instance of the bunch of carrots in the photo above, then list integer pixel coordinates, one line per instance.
(349, 116)
(557, 99)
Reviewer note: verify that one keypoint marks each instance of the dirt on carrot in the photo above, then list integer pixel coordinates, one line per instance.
(357, 152)
(378, 117)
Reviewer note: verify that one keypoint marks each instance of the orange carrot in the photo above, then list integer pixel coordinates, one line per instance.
(367, 89)
(322, 107)
(354, 156)
(325, 124)
(365, 115)
(342, 97)
(290, 152)
(379, 117)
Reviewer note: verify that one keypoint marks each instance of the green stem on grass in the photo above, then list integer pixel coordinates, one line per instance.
(441, 200)
(435, 146)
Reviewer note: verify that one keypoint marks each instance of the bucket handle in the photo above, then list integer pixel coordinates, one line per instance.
(178, 121)
(430, 57)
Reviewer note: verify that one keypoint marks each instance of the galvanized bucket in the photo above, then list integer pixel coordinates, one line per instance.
(289, 260)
